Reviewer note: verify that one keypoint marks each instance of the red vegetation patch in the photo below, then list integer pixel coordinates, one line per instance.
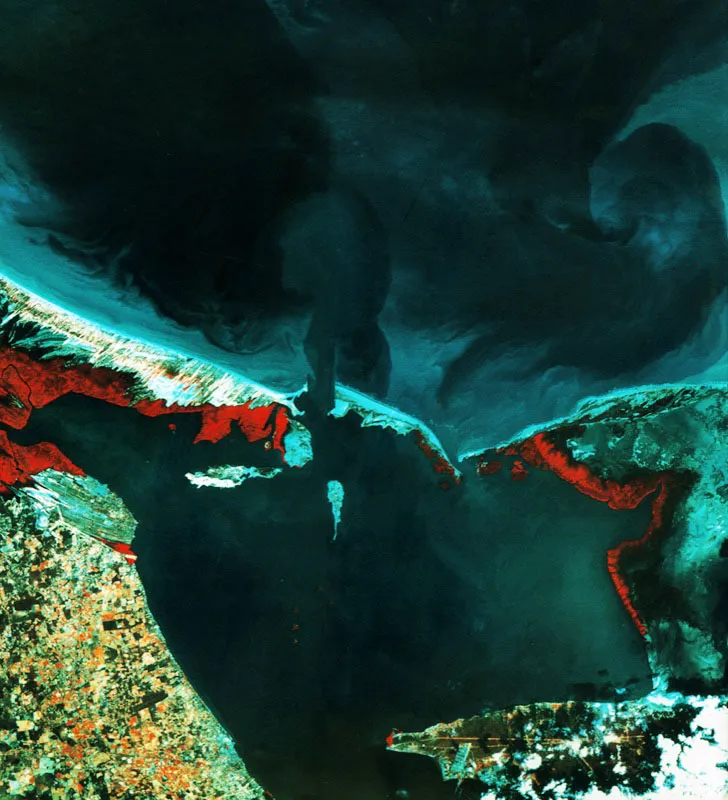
(26, 384)
(122, 548)
(14, 398)
(541, 453)
(268, 422)
(18, 464)
(439, 463)
(614, 555)
(489, 467)
(518, 471)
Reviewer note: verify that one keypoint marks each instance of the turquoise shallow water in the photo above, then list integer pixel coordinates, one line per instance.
(428, 606)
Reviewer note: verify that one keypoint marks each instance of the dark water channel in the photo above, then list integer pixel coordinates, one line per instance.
(429, 605)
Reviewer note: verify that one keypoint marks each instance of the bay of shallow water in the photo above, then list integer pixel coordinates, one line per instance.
(430, 604)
